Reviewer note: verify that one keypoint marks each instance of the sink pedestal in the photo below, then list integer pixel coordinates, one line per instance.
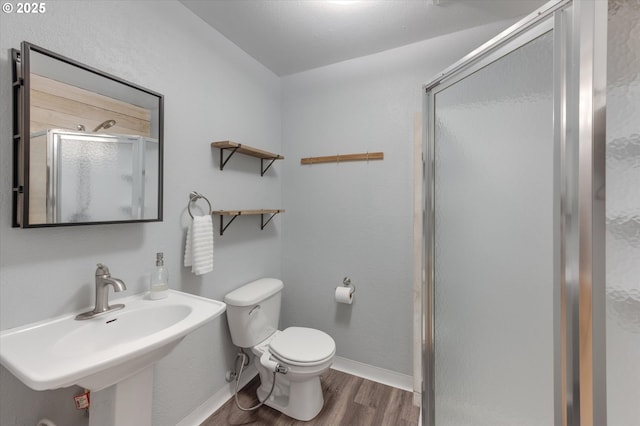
(127, 403)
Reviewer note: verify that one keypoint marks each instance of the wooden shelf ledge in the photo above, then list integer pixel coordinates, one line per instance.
(246, 150)
(246, 212)
(236, 213)
(365, 156)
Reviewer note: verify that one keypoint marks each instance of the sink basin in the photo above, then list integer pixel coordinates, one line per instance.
(119, 329)
(105, 350)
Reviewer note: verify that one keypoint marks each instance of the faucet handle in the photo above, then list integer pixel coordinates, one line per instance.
(102, 270)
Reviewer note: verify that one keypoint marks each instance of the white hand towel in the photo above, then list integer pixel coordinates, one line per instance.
(198, 251)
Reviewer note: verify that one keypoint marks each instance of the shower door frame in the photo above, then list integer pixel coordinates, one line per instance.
(580, 35)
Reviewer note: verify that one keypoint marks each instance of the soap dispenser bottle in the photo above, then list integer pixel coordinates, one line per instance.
(159, 279)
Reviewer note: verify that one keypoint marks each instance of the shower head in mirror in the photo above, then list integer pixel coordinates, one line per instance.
(105, 125)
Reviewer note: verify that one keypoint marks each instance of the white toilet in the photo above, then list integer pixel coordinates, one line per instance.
(253, 312)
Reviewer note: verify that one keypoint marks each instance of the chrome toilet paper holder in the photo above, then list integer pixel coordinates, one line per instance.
(347, 283)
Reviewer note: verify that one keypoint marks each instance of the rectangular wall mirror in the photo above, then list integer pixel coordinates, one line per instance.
(87, 145)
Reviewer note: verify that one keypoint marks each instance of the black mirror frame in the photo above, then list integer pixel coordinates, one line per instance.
(21, 140)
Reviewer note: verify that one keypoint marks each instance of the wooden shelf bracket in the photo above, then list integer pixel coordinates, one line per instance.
(235, 213)
(223, 161)
(246, 150)
(271, 216)
(264, 169)
(224, 227)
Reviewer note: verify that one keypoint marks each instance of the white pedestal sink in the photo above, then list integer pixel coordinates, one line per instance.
(112, 355)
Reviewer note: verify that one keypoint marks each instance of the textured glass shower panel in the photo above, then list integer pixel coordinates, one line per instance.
(494, 255)
(94, 179)
(150, 178)
(623, 213)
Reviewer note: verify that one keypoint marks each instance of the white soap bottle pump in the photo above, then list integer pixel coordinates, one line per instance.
(159, 279)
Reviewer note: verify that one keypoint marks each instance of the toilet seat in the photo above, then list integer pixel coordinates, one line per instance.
(302, 346)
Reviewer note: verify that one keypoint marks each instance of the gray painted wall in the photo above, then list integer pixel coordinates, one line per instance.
(349, 219)
(213, 91)
(355, 219)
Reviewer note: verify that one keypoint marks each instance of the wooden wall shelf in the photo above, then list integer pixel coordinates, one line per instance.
(236, 213)
(365, 156)
(246, 150)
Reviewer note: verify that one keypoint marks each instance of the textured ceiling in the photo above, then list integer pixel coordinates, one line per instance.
(289, 36)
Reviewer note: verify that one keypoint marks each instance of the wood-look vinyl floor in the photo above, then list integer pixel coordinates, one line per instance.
(348, 401)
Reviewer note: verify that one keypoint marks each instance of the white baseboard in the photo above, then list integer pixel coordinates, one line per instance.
(217, 400)
(376, 374)
(369, 372)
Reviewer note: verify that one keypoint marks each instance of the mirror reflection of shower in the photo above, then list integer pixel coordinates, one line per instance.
(102, 126)
(83, 194)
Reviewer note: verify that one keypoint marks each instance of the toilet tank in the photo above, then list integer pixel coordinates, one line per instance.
(253, 311)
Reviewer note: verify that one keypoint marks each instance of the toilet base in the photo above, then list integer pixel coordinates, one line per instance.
(298, 392)
(299, 400)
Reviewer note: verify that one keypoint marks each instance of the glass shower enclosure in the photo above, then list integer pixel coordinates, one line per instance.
(515, 302)
(494, 246)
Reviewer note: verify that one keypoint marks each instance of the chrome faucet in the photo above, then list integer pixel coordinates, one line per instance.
(103, 281)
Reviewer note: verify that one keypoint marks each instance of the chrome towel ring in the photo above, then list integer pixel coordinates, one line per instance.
(195, 196)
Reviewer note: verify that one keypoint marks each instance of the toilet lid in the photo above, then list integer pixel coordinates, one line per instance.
(300, 345)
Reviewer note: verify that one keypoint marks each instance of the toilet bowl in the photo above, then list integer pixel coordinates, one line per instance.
(305, 353)
(301, 354)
